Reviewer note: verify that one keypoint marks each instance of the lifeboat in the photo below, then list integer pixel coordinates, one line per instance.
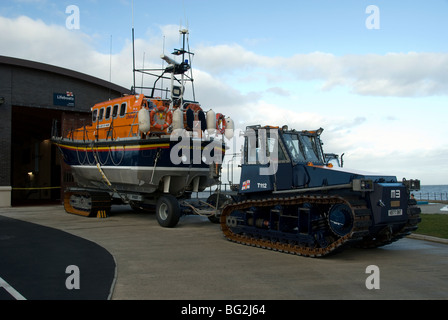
(129, 152)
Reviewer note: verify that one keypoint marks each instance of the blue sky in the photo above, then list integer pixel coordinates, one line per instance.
(275, 28)
(380, 94)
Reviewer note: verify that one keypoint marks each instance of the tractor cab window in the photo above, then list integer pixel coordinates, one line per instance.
(312, 148)
(303, 148)
(262, 146)
(294, 146)
(274, 147)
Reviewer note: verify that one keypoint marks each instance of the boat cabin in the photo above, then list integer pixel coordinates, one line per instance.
(137, 116)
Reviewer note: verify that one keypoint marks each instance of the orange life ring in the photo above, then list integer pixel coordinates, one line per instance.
(193, 106)
(221, 123)
(163, 113)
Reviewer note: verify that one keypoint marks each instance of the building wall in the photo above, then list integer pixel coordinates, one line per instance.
(34, 88)
(5, 135)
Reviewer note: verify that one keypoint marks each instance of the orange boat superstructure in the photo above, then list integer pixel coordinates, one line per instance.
(140, 116)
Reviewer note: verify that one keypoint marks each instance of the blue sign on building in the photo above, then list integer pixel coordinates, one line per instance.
(64, 99)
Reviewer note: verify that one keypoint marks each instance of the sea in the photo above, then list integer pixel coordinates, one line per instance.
(432, 192)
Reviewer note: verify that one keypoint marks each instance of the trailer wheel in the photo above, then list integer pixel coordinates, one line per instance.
(167, 211)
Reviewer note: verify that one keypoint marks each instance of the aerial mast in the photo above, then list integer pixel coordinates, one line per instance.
(133, 49)
(184, 32)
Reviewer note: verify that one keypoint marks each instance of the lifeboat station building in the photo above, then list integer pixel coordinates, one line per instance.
(33, 96)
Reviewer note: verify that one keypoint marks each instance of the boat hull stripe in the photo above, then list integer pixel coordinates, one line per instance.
(117, 148)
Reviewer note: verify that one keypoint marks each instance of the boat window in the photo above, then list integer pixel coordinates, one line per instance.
(115, 111)
(123, 109)
(94, 115)
(108, 110)
(101, 116)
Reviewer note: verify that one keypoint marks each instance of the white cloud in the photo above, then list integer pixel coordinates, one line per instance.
(222, 59)
(34, 40)
(398, 74)
(394, 74)
(279, 91)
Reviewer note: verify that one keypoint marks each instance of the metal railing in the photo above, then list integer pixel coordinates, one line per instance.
(437, 196)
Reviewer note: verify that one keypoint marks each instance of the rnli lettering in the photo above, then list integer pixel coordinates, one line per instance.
(64, 99)
(102, 126)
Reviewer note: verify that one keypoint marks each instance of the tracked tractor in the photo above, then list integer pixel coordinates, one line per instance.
(291, 198)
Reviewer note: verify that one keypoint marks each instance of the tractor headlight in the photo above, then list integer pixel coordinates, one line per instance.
(362, 185)
(412, 185)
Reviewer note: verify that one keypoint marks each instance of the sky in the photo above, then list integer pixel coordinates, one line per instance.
(375, 78)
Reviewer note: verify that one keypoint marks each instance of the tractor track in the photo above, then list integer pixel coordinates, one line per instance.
(361, 224)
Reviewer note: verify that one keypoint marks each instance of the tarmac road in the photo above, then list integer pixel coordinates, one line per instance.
(41, 263)
(194, 262)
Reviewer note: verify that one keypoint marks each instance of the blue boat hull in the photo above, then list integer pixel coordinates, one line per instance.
(144, 166)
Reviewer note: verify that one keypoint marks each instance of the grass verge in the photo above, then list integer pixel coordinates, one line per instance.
(435, 225)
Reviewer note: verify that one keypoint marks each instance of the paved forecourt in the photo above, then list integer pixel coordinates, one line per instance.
(193, 261)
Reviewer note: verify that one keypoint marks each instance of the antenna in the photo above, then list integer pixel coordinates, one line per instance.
(190, 58)
(163, 63)
(110, 60)
(144, 54)
(110, 66)
(133, 48)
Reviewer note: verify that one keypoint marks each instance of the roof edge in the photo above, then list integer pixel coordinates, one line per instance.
(62, 71)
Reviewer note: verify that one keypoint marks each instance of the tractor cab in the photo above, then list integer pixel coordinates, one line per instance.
(277, 159)
(272, 156)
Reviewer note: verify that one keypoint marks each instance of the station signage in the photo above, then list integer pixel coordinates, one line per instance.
(66, 99)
